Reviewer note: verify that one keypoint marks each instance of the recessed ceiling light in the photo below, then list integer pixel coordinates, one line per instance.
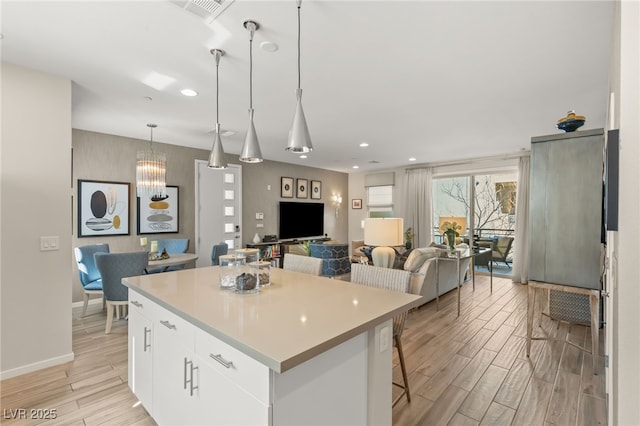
(303, 156)
(412, 159)
(364, 145)
(356, 167)
(189, 92)
(268, 46)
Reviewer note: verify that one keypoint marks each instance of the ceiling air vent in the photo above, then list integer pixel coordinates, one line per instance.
(205, 9)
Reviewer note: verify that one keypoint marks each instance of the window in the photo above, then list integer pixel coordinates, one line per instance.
(495, 196)
(380, 201)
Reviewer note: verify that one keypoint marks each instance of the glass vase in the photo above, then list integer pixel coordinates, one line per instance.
(451, 241)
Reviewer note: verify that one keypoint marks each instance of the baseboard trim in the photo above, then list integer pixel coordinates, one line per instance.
(93, 301)
(30, 368)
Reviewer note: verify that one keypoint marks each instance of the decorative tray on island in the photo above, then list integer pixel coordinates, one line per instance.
(159, 256)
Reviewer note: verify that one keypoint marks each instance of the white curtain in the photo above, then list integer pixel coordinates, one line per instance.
(419, 214)
(520, 272)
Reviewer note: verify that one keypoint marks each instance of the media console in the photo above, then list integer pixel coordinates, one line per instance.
(274, 251)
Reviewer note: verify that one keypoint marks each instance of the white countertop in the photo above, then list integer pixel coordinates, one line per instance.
(296, 318)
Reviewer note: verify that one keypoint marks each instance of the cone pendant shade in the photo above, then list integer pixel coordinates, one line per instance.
(299, 138)
(216, 157)
(251, 152)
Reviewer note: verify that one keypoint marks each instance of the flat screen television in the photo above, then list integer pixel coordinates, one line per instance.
(300, 220)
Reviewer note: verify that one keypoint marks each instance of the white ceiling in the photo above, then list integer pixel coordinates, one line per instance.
(437, 81)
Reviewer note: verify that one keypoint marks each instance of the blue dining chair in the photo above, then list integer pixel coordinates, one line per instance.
(89, 274)
(171, 245)
(113, 267)
(217, 251)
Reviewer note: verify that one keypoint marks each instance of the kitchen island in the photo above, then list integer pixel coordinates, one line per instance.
(305, 350)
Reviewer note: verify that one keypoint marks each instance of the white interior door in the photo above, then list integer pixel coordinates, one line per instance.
(218, 209)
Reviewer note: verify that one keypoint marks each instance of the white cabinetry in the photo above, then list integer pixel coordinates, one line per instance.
(141, 348)
(179, 386)
(199, 379)
(175, 386)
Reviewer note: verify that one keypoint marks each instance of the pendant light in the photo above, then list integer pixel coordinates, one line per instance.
(216, 157)
(299, 139)
(251, 150)
(151, 167)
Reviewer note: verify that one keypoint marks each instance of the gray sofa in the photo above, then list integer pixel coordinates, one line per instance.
(422, 264)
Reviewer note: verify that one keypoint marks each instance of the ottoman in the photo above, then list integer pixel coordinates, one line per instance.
(335, 258)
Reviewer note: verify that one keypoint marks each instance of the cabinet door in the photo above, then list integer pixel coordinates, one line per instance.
(574, 212)
(173, 403)
(141, 357)
(222, 402)
(566, 211)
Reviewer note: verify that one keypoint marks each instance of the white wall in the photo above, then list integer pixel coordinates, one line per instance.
(35, 295)
(358, 191)
(626, 380)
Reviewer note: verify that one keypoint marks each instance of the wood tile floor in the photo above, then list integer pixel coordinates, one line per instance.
(467, 370)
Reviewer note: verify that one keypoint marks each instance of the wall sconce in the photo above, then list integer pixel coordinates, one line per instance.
(337, 200)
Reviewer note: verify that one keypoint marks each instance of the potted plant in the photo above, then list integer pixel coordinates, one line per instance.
(408, 236)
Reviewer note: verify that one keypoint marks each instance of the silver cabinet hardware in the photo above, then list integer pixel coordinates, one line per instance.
(168, 325)
(189, 381)
(136, 304)
(147, 343)
(221, 360)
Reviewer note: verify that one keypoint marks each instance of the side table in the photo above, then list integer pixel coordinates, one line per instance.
(457, 256)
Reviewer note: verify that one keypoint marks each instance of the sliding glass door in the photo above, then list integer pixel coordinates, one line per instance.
(492, 210)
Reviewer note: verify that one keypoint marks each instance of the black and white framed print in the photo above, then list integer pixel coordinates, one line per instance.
(316, 189)
(159, 215)
(286, 187)
(103, 208)
(301, 188)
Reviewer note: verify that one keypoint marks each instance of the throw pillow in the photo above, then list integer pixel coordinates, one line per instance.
(415, 260)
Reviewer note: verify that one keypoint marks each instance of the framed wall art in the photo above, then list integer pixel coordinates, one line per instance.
(103, 208)
(301, 188)
(356, 203)
(286, 187)
(316, 189)
(159, 215)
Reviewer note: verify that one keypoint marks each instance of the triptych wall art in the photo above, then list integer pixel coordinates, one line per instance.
(301, 188)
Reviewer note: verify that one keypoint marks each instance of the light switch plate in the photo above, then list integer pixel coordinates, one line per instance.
(259, 216)
(49, 243)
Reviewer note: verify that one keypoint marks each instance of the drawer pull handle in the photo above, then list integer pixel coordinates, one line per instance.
(189, 381)
(168, 325)
(147, 344)
(221, 360)
(136, 303)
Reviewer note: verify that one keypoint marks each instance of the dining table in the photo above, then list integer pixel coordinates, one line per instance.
(173, 260)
